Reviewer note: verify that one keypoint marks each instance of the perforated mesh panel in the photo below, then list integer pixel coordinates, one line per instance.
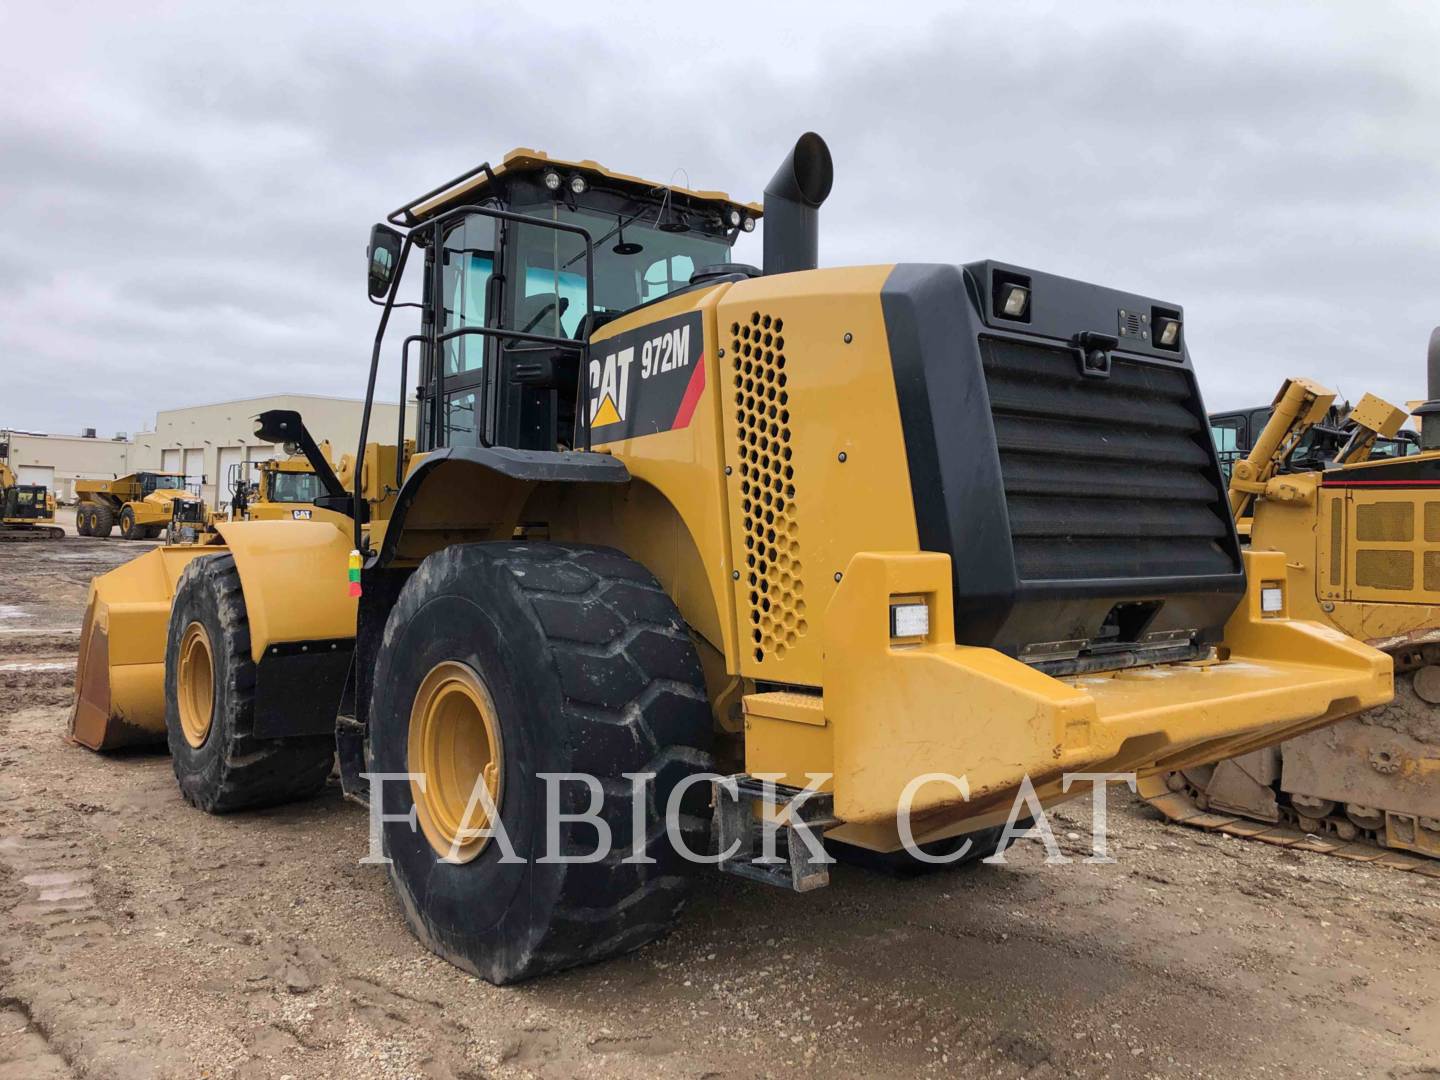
(1387, 522)
(1432, 522)
(767, 484)
(1384, 569)
(1432, 571)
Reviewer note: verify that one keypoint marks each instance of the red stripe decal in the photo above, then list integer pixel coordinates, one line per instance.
(692, 395)
(1381, 484)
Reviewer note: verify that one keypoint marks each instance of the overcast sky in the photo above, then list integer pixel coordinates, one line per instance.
(186, 189)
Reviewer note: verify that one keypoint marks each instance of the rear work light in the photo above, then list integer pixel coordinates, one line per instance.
(909, 620)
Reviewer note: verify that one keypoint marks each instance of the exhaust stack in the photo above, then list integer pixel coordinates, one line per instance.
(792, 204)
(1429, 413)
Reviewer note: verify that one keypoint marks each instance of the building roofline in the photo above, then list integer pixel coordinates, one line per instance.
(268, 397)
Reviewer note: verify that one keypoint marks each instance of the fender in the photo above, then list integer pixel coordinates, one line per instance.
(302, 620)
(466, 493)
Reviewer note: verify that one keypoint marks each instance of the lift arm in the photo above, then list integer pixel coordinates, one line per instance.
(1299, 406)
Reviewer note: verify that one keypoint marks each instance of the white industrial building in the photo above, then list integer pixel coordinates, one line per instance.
(200, 441)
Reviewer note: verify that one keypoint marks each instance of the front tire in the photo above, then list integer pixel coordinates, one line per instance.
(558, 659)
(210, 703)
(128, 529)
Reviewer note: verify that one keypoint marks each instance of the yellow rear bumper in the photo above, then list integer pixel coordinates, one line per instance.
(890, 714)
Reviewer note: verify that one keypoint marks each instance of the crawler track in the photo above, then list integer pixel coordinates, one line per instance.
(1160, 791)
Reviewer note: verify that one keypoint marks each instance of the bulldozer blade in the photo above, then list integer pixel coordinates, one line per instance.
(120, 679)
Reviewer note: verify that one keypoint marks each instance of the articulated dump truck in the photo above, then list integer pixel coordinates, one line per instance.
(676, 517)
(143, 504)
(1361, 538)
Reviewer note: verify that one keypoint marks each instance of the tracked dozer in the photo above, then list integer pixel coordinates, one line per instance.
(1361, 538)
(27, 511)
(766, 549)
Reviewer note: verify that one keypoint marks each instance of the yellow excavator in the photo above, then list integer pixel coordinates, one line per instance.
(784, 550)
(1361, 539)
(27, 511)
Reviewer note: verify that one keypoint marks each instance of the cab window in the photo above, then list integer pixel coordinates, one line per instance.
(469, 265)
(1226, 431)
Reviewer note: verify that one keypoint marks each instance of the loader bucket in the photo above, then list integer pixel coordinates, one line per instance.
(120, 680)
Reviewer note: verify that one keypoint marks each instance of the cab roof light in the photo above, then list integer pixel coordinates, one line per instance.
(1016, 301)
(1167, 330)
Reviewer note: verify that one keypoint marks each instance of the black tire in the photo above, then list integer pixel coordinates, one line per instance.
(82, 520)
(591, 670)
(102, 520)
(231, 769)
(152, 531)
(904, 865)
(128, 529)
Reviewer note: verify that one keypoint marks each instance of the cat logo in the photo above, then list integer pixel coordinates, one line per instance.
(647, 380)
(300, 515)
(614, 387)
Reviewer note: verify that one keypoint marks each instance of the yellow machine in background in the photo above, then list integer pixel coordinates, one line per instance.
(120, 695)
(274, 490)
(27, 511)
(143, 504)
(671, 514)
(1361, 542)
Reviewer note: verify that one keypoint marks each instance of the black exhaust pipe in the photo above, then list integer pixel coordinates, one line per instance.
(792, 204)
(1429, 413)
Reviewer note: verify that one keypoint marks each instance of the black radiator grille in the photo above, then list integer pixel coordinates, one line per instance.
(1104, 477)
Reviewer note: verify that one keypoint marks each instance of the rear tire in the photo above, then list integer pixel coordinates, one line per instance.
(210, 703)
(588, 668)
(128, 529)
(102, 520)
(82, 520)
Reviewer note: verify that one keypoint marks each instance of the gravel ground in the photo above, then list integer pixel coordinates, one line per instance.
(140, 938)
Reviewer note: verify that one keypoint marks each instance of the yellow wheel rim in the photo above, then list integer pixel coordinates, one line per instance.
(196, 689)
(455, 744)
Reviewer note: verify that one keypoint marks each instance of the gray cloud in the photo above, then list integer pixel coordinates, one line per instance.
(187, 190)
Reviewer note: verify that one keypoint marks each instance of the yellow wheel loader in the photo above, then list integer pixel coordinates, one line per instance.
(286, 488)
(784, 551)
(1360, 535)
(274, 490)
(27, 511)
(143, 504)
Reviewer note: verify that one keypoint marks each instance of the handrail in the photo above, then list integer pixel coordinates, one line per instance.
(436, 337)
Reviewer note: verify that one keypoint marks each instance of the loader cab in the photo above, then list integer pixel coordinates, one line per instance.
(522, 264)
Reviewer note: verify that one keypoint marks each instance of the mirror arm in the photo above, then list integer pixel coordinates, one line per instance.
(359, 499)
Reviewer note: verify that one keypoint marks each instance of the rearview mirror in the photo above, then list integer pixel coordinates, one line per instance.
(384, 254)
